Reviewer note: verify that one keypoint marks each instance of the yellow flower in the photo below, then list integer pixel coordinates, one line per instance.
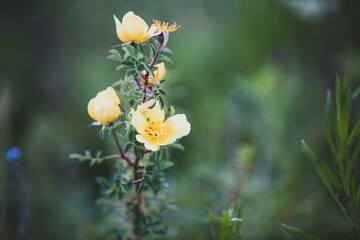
(104, 108)
(158, 74)
(133, 28)
(153, 130)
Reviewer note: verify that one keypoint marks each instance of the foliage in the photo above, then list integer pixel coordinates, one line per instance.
(228, 224)
(298, 234)
(340, 179)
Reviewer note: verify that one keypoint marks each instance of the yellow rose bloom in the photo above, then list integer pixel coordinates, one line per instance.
(132, 28)
(104, 108)
(158, 74)
(153, 130)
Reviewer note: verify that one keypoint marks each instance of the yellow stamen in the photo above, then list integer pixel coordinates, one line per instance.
(159, 131)
(165, 26)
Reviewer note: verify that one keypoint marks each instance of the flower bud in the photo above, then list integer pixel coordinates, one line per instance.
(158, 74)
(104, 108)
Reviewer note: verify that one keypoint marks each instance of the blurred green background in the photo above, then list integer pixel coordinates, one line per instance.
(250, 75)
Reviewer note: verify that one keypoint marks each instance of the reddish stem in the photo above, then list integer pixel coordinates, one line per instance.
(156, 56)
(122, 155)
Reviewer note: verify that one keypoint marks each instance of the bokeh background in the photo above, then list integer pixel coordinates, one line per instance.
(251, 76)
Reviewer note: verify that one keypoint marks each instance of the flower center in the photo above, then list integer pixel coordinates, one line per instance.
(159, 131)
(165, 26)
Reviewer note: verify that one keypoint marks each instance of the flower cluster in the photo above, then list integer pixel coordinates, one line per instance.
(133, 110)
(148, 118)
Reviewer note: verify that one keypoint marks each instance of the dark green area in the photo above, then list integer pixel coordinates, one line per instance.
(251, 76)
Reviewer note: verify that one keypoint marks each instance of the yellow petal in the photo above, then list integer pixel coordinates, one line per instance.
(111, 92)
(91, 109)
(151, 31)
(160, 72)
(134, 27)
(119, 30)
(154, 114)
(179, 125)
(104, 108)
(147, 145)
(138, 121)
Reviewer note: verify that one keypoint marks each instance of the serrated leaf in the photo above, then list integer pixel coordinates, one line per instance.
(139, 56)
(141, 48)
(121, 66)
(115, 55)
(298, 234)
(164, 58)
(127, 147)
(131, 72)
(130, 50)
(103, 182)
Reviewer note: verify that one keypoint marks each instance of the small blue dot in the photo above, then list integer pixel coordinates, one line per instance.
(13, 154)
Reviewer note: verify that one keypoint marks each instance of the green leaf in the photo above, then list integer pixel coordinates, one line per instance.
(141, 48)
(152, 105)
(127, 147)
(121, 66)
(137, 181)
(103, 182)
(354, 133)
(161, 102)
(129, 49)
(131, 72)
(346, 112)
(148, 69)
(177, 146)
(323, 173)
(75, 156)
(162, 92)
(167, 164)
(356, 93)
(327, 124)
(298, 234)
(117, 83)
(164, 58)
(167, 51)
(115, 55)
(139, 56)
(172, 111)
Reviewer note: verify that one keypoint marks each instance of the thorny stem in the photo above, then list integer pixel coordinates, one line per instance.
(122, 109)
(122, 155)
(137, 83)
(119, 45)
